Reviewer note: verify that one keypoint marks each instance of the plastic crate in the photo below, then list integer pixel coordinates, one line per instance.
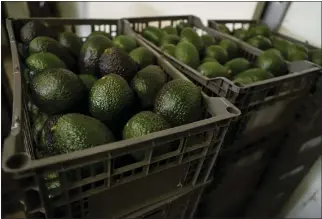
(78, 183)
(266, 106)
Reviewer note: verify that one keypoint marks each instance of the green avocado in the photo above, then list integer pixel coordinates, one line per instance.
(38, 62)
(252, 75)
(170, 39)
(188, 54)
(218, 53)
(153, 34)
(100, 33)
(168, 49)
(88, 81)
(237, 65)
(189, 35)
(71, 42)
(143, 57)
(260, 42)
(240, 33)
(213, 69)
(271, 62)
(33, 29)
(124, 42)
(169, 30)
(230, 47)
(208, 40)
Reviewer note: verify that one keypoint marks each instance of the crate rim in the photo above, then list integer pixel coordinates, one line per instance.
(52, 161)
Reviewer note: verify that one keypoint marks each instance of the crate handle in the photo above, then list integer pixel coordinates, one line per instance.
(221, 106)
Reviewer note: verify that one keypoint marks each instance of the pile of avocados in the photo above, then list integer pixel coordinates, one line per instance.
(260, 36)
(104, 89)
(215, 58)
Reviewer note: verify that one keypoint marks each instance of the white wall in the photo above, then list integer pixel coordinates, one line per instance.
(303, 21)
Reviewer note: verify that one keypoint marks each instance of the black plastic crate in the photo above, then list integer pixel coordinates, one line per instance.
(266, 106)
(74, 184)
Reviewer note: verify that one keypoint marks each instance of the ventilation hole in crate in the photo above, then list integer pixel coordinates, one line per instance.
(127, 173)
(27, 182)
(116, 178)
(124, 160)
(98, 168)
(76, 209)
(60, 212)
(153, 166)
(166, 148)
(87, 187)
(99, 184)
(72, 176)
(85, 172)
(196, 139)
(138, 170)
(73, 193)
(37, 215)
(32, 200)
(293, 172)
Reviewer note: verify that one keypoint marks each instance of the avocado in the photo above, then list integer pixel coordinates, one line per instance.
(153, 34)
(181, 26)
(100, 33)
(237, 65)
(147, 83)
(189, 35)
(271, 62)
(252, 75)
(169, 30)
(38, 62)
(33, 29)
(208, 40)
(47, 44)
(302, 48)
(88, 81)
(240, 33)
(142, 56)
(90, 53)
(218, 53)
(213, 70)
(117, 61)
(74, 132)
(260, 42)
(188, 54)
(281, 45)
(230, 47)
(223, 28)
(56, 90)
(276, 51)
(209, 59)
(37, 127)
(108, 98)
(168, 49)
(259, 30)
(316, 56)
(179, 102)
(71, 42)
(170, 39)
(124, 42)
(294, 54)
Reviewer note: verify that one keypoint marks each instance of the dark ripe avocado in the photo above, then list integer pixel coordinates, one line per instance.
(259, 30)
(117, 61)
(230, 47)
(240, 33)
(179, 102)
(189, 35)
(88, 81)
(168, 49)
(208, 40)
(71, 42)
(181, 26)
(153, 34)
(209, 59)
(213, 70)
(223, 28)
(188, 54)
(38, 62)
(124, 42)
(147, 83)
(252, 75)
(100, 33)
(33, 29)
(294, 54)
(47, 44)
(169, 30)
(142, 56)
(218, 53)
(108, 98)
(74, 132)
(170, 39)
(260, 42)
(91, 52)
(271, 62)
(56, 90)
(237, 65)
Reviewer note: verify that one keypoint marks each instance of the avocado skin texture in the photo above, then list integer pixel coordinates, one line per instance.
(189, 35)
(117, 61)
(169, 30)
(276, 51)
(230, 46)
(33, 29)
(108, 98)
(91, 52)
(208, 40)
(100, 33)
(240, 33)
(75, 132)
(271, 62)
(143, 57)
(281, 45)
(170, 39)
(88, 81)
(188, 54)
(56, 90)
(47, 44)
(71, 42)
(179, 102)
(252, 75)
(147, 83)
(153, 34)
(213, 69)
(124, 42)
(237, 65)
(168, 49)
(38, 62)
(260, 42)
(218, 53)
